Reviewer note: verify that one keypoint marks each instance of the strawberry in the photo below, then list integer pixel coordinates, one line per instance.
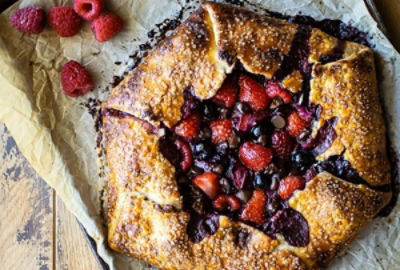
(274, 89)
(226, 95)
(290, 184)
(186, 152)
(208, 183)
(253, 93)
(295, 124)
(223, 202)
(254, 209)
(255, 156)
(189, 127)
(282, 143)
(221, 130)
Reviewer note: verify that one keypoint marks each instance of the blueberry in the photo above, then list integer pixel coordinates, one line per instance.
(274, 182)
(260, 181)
(303, 160)
(222, 148)
(263, 140)
(242, 107)
(210, 110)
(258, 131)
(203, 150)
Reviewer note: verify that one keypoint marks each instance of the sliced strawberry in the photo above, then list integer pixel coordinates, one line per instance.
(290, 184)
(254, 209)
(186, 153)
(255, 156)
(295, 124)
(226, 95)
(274, 89)
(226, 202)
(221, 130)
(282, 143)
(189, 127)
(253, 93)
(208, 183)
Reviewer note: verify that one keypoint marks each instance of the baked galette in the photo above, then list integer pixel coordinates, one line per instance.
(245, 142)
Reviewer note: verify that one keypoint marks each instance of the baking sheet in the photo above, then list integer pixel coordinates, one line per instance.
(57, 133)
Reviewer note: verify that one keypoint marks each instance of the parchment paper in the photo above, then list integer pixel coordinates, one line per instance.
(57, 135)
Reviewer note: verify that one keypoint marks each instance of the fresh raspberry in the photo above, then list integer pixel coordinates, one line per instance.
(106, 26)
(221, 130)
(186, 153)
(255, 156)
(274, 89)
(88, 9)
(226, 96)
(289, 185)
(295, 124)
(189, 127)
(29, 20)
(254, 209)
(253, 93)
(226, 202)
(75, 79)
(282, 143)
(64, 21)
(208, 183)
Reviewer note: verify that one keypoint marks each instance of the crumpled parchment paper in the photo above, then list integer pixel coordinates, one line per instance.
(57, 136)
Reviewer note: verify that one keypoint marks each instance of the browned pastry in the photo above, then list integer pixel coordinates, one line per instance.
(245, 142)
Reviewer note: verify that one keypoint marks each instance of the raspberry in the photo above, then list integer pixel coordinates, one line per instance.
(186, 153)
(255, 156)
(253, 93)
(223, 202)
(208, 183)
(274, 89)
(189, 127)
(295, 124)
(254, 209)
(29, 20)
(282, 143)
(75, 79)
(106, 26)
(64, 21)
(289, 185)
(221, 130)
(226, 96)
(88, 9)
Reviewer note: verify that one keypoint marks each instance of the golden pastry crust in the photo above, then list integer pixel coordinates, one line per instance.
(145, 213)
(146, 231)
(336, 212)
(347, 89)
(135, 163)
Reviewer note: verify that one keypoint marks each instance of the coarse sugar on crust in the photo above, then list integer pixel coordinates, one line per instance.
(146, 216)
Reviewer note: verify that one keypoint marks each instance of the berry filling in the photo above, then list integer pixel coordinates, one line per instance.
(246, 151)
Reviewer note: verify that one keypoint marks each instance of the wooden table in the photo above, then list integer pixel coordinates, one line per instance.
(36, 231)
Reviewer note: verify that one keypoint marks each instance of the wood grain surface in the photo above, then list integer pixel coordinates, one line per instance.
(36, 230)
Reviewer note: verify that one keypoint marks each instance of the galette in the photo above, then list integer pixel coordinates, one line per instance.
(245, 141)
